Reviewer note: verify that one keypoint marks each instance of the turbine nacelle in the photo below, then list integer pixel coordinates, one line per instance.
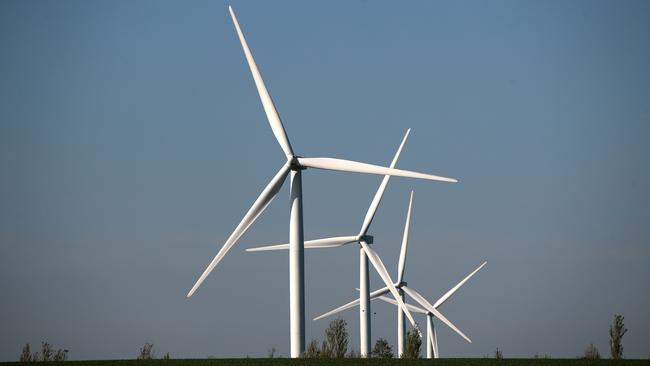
(369, 239)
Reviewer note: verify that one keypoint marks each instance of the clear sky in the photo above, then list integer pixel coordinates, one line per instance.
(132, 141)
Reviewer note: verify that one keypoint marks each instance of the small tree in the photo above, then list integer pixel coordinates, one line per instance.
(382, 349)
(413, 344)
(26, 354)
(336, 338)
(498, 354)
(591, 352)
(312, 350)
(60, 355)
(146, 352)
(616, 332)
(46, 352)
(272, 352)
(325, 350)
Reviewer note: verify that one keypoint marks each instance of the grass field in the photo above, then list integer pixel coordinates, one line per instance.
(351, 362)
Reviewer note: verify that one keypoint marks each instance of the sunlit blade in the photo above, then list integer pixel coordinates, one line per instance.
(383, 273)
(377, 293)
(351, 304)
(267, 102)
(256, 209)
(425, 304)
(267, 248)
(413, 308)
(405, 243)
(356, 167)
(310, 244)
(370, 214)
(446, 296)
(381, 291)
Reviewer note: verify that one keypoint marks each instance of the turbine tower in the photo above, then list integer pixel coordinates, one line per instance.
(293, 167)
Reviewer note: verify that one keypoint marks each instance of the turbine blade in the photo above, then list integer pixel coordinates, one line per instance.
(405, 243)
(268, 248)
(351, 304)
(356, 167)
(383, 273)
(413, 308)
(256, 209)
(310, 244)
(375, 294)
(381, 291)
(446, 296)
(425, 304)
(370, 214)
(267, 102)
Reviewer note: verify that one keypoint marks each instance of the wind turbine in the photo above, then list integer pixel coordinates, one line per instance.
(432, 339)
(362, 236)
(402, 287)
(294, 166)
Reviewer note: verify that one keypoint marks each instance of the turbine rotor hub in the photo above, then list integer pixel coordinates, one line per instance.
(294, 164)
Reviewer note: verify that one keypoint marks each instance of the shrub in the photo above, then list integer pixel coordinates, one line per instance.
(325, 350)
(382, 349)
(146, 352)
(47, 354)
(60, 355)
(498, 354)
(312, 350)
(26, 354)
(591, 352)
(413, 344)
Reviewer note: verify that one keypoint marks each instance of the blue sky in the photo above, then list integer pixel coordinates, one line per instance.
(132, 141)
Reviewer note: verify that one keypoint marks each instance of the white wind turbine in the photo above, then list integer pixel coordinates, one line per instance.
(432, 339)
(402, 287)
(293, 166)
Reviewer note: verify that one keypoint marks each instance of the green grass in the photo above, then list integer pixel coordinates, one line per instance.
(351, 362)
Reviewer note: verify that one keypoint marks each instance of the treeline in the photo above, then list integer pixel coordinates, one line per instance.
(336, 341)
(46, 354)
